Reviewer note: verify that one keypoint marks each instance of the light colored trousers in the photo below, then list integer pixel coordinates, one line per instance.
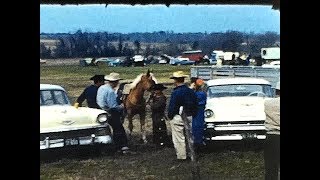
(181, 132)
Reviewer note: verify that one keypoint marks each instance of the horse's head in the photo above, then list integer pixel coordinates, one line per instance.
(148, 80)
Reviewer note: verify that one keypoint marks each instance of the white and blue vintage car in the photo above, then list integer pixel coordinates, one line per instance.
(62, 124)
(235, 108)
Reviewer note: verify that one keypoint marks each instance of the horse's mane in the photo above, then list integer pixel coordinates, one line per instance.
(138, 79)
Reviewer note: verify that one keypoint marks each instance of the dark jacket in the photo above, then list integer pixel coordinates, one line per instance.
(158, 104)
(182, 96)
(89, 94)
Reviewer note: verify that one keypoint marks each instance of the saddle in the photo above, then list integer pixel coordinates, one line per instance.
(126, 89)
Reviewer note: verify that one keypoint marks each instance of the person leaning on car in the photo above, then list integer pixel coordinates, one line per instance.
(90, 92)
(272, 144)
(107, 100)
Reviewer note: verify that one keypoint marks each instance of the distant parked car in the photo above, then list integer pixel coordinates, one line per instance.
(62, 124)
(115, 62)
(165, 59)
(42, 61)
(94, 62)
(181, 61)
(154, 61)
(162, 61)
(138, 60)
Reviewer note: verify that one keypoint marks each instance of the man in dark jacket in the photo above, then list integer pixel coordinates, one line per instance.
(182, 106)
(90, 92)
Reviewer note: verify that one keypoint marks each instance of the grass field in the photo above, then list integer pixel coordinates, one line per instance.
(232, 160)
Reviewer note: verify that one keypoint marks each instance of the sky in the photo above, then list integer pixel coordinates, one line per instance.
(150, 18)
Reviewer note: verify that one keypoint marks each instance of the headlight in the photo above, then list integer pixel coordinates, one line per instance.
(102, 118)
(208, 113)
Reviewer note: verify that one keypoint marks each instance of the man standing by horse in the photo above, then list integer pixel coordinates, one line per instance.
(107, 100)
(182, 106)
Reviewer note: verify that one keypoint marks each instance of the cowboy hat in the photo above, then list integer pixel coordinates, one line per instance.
(113, 77)
(178, 74)
(97, 78)
(158, 87)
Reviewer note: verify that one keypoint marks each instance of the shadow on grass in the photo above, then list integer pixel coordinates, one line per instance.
(238, 146)
(76, 153)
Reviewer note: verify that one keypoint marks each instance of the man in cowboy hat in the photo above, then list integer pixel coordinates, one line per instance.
(182, 106)
(158, 106)
(272, 145)
(107, 100)
(90, 92)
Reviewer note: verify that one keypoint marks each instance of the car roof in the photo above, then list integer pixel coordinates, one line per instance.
(50, 86)
(236, 80)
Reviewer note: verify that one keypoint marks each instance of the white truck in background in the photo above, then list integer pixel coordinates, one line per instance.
(270, 54)
(227, 56)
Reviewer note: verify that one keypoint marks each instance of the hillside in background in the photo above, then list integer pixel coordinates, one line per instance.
(104, 44)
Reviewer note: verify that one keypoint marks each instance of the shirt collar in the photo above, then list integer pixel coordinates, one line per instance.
(183, 85)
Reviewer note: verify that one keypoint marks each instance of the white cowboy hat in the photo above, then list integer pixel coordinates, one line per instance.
(113, 77)
(178, 74)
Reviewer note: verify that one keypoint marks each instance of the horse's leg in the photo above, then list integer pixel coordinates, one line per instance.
(143, 126)
(130, 125)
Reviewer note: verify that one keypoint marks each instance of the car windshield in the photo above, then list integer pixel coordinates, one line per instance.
(53, 97)
(240, 90)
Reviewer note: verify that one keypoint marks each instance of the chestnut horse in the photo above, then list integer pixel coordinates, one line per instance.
(135, 102)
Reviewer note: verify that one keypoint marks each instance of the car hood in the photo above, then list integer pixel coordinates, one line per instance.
(236, 109)
(67, 117)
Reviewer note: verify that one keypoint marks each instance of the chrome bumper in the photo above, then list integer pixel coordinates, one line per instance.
(235, 132)
(87, 140)
(233, 137)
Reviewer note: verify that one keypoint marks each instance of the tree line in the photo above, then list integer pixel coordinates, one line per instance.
(104, 44)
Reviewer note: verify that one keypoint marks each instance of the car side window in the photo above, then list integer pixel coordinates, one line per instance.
(47, 98)
(52, 97)
(59, 97)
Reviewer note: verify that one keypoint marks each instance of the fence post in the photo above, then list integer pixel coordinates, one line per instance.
(194, 164)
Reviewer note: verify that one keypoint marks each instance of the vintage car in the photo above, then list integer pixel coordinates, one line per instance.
(116, 62)
(62, 124)
(95, 62)
(181, 61)
(42, 61)
(138, 60)
(235, 108)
